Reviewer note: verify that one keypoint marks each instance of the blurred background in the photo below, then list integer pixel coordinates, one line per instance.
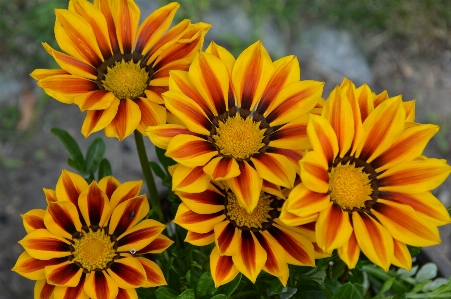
(397, 45)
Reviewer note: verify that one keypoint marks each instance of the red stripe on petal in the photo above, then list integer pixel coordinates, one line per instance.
(197, 236)
(126, 220)
(101, 288)
(248, 251)
(271, 260)
(291, 155)
(33, 264)
(75, 62)
(290, 245)
(252, 75)
(208, 197)
(193, 148)
(106, 11)
(46, 244)
(46, 291)
(190, 217)
(62, 275)
(136, 236)
(127, 273)
(224, 267)
(213, 85)
(72, 191)
(111, 186)
(226, 237)
(75, 292)
(34, 222)
(62, 217)
(96, 204)
(158, 244)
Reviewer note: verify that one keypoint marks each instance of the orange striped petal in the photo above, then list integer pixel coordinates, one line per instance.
(187, 179)
(43, 290)
(374, 240)
(108, 185)
(32, 268)
(99, 285)
(127, 294)
(158, 245)
(210, 77)
(150, 31)
(304, 202)
(410, 110)
(95, 100)
(65, 274)
(50, 195)
(65, 88)
(127, 118)
(251, 256)
(414, 177)
(247, 186)
(294, 156)
(205, 202)
(299, 250)
(198, 223)
(124, 192)
(127, 214)
(222, 268)
(380, 98)
(33, 220)
(126, 17)
(161, 135)
(275, 168)
(71, 65)
(153, 94)
(365, 98)
(69, 186)
(39, 74)
(380, 133)
(200, 239)
(98, 24)
(333, 228)
(401, 256)
(97, 120)
(314, 173)
(323, 139)
(404, 224)
(409, 145)
(140, 235)
(105, 8)
(72, 292)
(273, 189)
(188, 111)
(292, 135)
(251, 73)
(306, 229)
(338, 112)
(350, 252)
(61, 218)
(293, 101)
(227, 238)
(43, 245)
(319, 253)
(154, 275)
(429, 207)
(127, 272)
(275, 262)
(151, 114)
(292, 219)
(223, 54)
(222, 168)
(190, 150)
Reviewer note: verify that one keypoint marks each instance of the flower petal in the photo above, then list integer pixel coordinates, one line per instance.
(140, 235)
(333, 228)
(200, 239)
(33, 220)
(124, 192)
(43, 245)
(105, 8)
(251, 256)
(205, 202)
(43, 290)
(108, 185)
(227, 238)
(410, 110)
(222, 168)
(350, 252)
(161, 135)
(187, 179)
(275, 168)
(222, 268)
(251, 73)
(291, 219)
(65, 88)
(403, 223)
(247, 186)
(97, 120)
(273, 189)
(126, 17)
(127, 272)
(94, 206)
(190, 150)
(99, 285)
(154, 275)
(72, 292)
(374, 240)
(127, 294)
(366, 101)
(151, 114)
(414, 177)
(127, 214)
(303, 202)
(198, 223)
(95, 100)
(323, 139)
(32, 268)
(292, 135)
(127, 118)
(65, 274)
(401, 257)
(223, 54)
(50, 195)
(314, 173)
(69, 186)
(158, 245)
(275, 262)
(39, 74)
(61, 218)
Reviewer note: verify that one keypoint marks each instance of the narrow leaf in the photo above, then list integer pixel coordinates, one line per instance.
(166, 293)
(205, 286)
(71, 145)
(187, 294)
(157, 170)
(94, 155)
(104, 168)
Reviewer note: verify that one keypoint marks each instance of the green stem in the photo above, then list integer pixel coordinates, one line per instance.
(154, 199)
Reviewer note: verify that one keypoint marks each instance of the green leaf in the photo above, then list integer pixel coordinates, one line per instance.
(219, 296)
(166, 293)
(275, 286)
(400, 296)
(427, 272)
(187, 294)
(308, 288)
(230, 287)
(74, 165)
(413, 250)
(349, 291)
(192, 276)
(94, 155)
(385, 287)
(146, 292)
(165, 161)
(331, 286)
(104, 169)
(157, 170)
(71, 145)
(206, 285)
(179, 252)
(174, 280)
(433, 285)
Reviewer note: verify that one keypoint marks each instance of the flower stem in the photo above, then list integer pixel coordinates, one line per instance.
(154, 199)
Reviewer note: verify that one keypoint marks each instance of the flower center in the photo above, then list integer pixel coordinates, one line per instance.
(239, 137)
(349, 186)
(93, 250)
(127, 80)
(260, 217)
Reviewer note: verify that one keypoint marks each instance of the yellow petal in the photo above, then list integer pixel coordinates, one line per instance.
(190, 150)
(222, 268)
(333, 228)
(198, 223)
(251, 256)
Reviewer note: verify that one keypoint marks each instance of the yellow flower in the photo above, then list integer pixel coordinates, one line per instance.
(239, 121)
(366, 180)
(113, 69)
(88, 242)
(245, 242)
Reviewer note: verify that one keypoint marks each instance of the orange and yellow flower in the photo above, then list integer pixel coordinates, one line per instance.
(113, 69)
(238, 121)
(89, 241)
(366, 180)
(245, 242)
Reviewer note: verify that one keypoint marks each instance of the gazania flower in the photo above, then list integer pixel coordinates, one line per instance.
(242, 121)
(88, 242)
(113, 69)
(366, 180)
(245, 242)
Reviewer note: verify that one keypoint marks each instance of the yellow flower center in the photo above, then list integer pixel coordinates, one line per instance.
(349, 186)
(127, 80)
(242, 218)
(238, 137)
(93, 250)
